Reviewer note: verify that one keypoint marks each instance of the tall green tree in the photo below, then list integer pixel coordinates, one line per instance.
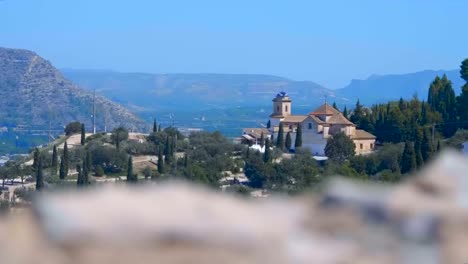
(62, 173)
(54, 162)
(298, 141)
(160, 161)
(130, 176)
(408, 159)
(340, 147)
(79, 179)
(66, 158)
(262, 140)
(288, 142)
(85, 174)
(83, 135)
(462, 99)
(35, 159)
(88, 161)
(418, 147)
(39, 175)
(464, 70)
(268, 125)
(267, 152)
(345, 112)
(426, 146)
(155, 126)
(334, 106)
(280, 139)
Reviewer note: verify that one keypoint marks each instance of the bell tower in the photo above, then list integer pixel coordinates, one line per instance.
(281, 106)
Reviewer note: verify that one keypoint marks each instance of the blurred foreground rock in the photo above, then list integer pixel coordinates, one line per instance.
(423, 220)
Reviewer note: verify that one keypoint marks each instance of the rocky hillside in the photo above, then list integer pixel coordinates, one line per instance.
(32, 92)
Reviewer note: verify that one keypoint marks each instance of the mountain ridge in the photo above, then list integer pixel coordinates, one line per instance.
(34, 93)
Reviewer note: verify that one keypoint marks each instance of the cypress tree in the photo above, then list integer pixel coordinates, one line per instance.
(280, 139)
(160, 162)
(159, 128)
(268, 124)
(130, 176)
(83, 134)
(262, 140)
(39, 175)
(345, 112)
(85, 174)
(54, 162)
(426, 146)
(185, 160)
(79, 180)
(272, 137)
(35, 159)
(267, 153)
(247, 152)
(155, 126)
(65, 158)
(408, 159)
(62, 169)
(334, 106)
(89, 161)
(298, 141)
(418, 147)
(288, 142)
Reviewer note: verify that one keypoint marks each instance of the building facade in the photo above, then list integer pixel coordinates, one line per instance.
(317, 126)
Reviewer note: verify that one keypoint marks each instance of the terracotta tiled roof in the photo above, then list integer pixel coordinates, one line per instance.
(339, 119)
(317, 120)
(361, 134)
(255, 132)
(294, 118)
(324, 109)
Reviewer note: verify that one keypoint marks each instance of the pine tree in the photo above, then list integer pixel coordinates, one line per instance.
(262, 140)
(267, 153)
(155, 126)
(83, 134)
(408, 159)
(54, 162)
(160, 162)
(39, 175)
(298, 141)
(280, 139)
(288, 142)
(66, 158)
(130, 176)
(62, 169)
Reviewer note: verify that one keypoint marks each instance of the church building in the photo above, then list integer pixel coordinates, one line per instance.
(317, 126)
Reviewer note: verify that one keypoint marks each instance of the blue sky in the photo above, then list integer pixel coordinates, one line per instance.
(327, 41)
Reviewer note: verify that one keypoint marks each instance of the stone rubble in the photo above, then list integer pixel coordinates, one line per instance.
(422, 220)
